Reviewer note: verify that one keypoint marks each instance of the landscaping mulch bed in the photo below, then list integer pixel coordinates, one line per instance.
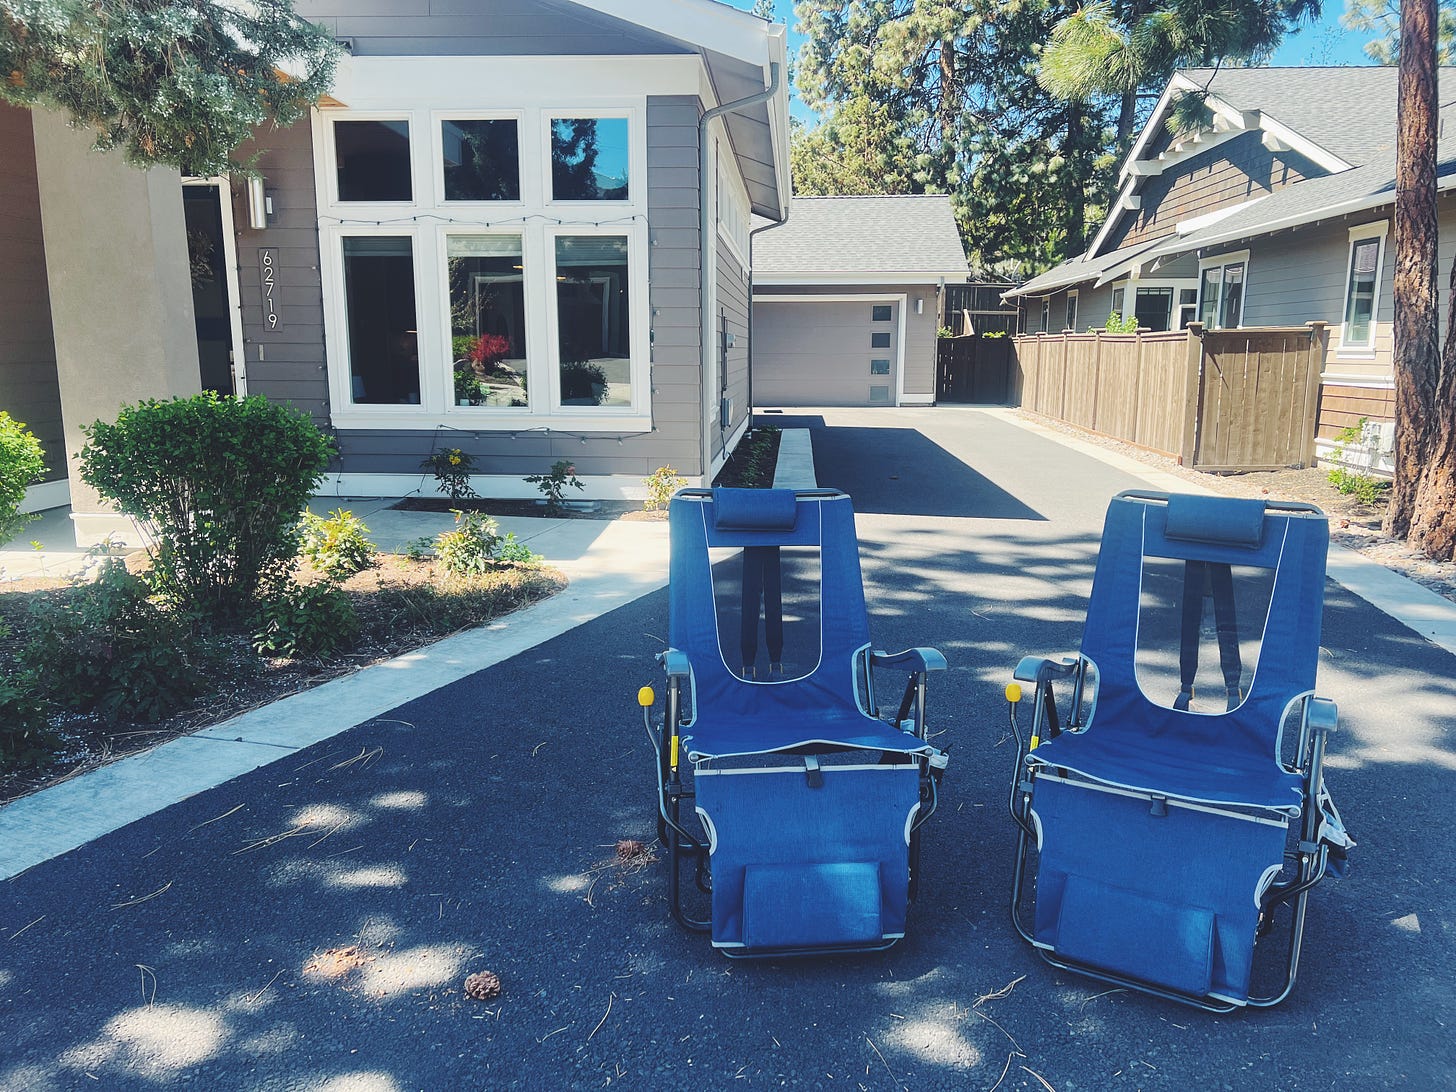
(1353, 523)
(402, 604)
(754, 460)
(500, 506)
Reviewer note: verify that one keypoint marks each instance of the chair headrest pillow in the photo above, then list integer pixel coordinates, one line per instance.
(1229, 521)
(754, 509)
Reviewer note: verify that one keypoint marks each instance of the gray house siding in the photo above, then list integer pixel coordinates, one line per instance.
(495, 28)
(732, 310)
(29, 391)
(284, 364)
(293, 367)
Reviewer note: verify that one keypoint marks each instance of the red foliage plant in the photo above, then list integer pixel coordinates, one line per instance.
(490, 349)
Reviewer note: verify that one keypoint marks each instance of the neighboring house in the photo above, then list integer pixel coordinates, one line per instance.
(846, 300)
(1276, 213)
(494, 233)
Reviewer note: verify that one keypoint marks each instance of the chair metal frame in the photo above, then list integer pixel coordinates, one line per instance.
(1306, 857)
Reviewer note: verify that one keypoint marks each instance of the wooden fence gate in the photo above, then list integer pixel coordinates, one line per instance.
(1216, 400)
(973, 368)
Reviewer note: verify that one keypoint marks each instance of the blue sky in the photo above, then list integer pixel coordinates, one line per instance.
(1323, 43)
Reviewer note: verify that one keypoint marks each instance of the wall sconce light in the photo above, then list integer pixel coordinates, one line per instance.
(920, 305)
(260, 205)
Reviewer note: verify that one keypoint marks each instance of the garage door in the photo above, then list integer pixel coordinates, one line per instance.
(826, 354)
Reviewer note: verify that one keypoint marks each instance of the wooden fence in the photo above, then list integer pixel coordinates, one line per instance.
(1217, 400)
(973, 368)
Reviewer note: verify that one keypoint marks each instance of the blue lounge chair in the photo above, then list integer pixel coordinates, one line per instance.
(1170, 825)
(807, 803)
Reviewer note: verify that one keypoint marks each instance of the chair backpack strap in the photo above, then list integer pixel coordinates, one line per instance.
(763, 582)
(1213, 578)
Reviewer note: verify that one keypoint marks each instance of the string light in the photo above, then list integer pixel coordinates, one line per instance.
(529, 218)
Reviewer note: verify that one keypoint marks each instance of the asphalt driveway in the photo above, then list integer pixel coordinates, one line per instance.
(309, 925)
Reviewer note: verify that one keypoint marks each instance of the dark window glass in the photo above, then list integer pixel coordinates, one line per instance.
(482, 160)
(1152, 307)
(592, 320)
(880, 312)
(373, 159)
(879, 367)
(589, 159)
(1071, 313)
(1232, 308)
(880, 341)
(379, 292)
(879, 394)
(1118, 297)
(487, 319)
(1208, 296)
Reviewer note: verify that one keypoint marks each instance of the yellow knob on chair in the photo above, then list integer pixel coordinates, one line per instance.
(646, 697)
(1013, 692)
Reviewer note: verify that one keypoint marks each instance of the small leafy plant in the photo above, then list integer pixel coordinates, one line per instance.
(661, 484)
(21, 465)
(305, 620)
(25, 738)
(337, 545)
(553, 485)
(1364, 487)
(472, 548)
(110, 648)
(1120, 324)
(517, 553)
(452, 468)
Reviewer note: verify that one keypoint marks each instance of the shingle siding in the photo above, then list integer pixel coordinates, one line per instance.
(732, 305)
(29, 390)
(1233, 172)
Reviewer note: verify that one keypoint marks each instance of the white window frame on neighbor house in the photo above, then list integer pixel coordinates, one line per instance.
(1129, 289)
(428, 219)
(1073, 302)
(1357, 350)
(1221, 262)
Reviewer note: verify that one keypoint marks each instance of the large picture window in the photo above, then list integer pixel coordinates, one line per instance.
(1362, 289)
(593, 320)
(503, 294)
(379, 301)
(589, 159)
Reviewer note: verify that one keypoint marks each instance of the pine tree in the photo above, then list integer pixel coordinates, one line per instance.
(177, 82)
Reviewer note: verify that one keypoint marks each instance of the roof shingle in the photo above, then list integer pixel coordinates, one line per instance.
(863, 235)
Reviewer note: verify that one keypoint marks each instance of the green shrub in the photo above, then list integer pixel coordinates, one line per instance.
(305, 620)
(452, 468)
(25, 738)
(107, 647)
(219, 484)
(472, 548)
(517, 553)
(553, 484)
(337, 545)
(583, 384)
(1119, 324)
(21, 465)
(661, 484)
(1363, 487)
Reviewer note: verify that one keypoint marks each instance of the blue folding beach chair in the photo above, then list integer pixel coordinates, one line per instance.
(1178, 808)
(807, 804)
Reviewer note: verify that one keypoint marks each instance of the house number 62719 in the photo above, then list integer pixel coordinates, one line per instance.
(268, 280)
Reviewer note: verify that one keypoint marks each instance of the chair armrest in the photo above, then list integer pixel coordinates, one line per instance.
(1324, 715)
(675, 663)
(1038, 669)
(912, 659)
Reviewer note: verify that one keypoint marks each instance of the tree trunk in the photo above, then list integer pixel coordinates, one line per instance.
(1078, 158)
(1126, 115)
(1416, 361)
(1433, 512)
(950, 94)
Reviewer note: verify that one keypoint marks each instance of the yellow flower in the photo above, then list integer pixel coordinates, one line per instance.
(454, 460)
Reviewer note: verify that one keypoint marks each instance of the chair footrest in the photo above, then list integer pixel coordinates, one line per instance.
(811, 905)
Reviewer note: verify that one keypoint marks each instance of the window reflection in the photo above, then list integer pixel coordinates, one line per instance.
(379, 293)
(589, 159)
(482, 160)
(373, 160)
(592, 320)
(487, 319)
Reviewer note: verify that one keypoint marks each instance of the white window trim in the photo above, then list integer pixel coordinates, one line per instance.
(733, 230)
(535, 218)
(1219, 261)
(1074, 299)
(437, 157)
(1354, 350)
(634, 113)
(330, 161)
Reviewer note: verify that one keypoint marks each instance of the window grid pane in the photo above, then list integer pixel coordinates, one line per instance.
(880, 312)
(589, 159)
(879, 367)
(379, 295)
(592, 314)
(1233, 296)
(487, 277)
(1360, 292)
(879, 341)
(482, 160)
(373, 160)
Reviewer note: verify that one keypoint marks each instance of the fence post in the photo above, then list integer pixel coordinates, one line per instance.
(1062, 400)
(1096, 379)
(1192, 374)
(1318, 343)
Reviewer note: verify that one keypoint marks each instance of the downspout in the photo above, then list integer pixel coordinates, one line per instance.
(706, 231)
